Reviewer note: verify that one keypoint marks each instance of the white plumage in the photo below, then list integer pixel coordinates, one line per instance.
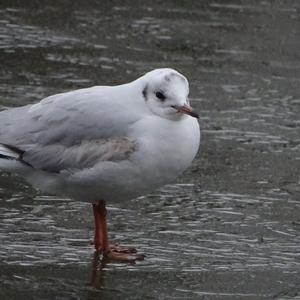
(103, 142)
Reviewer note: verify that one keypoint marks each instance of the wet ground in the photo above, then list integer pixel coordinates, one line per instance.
(229, 228)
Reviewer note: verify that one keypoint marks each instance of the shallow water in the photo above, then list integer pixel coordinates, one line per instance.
(229, 227)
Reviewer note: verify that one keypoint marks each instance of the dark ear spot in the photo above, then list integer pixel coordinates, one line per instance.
(145, 92)
(167, 78)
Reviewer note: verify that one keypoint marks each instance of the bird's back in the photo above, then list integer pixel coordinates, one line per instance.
(68, 117)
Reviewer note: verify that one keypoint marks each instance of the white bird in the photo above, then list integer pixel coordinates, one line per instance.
(104, 143)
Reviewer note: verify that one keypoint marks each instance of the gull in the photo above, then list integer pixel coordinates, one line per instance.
(104, 144)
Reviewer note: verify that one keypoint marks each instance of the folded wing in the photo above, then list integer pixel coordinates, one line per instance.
(73, 130)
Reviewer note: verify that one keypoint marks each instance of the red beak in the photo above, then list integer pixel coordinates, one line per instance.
(186, 109)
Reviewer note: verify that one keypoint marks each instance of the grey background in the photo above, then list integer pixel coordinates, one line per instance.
(229, 227)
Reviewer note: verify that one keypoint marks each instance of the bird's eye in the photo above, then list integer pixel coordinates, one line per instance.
(160, 96)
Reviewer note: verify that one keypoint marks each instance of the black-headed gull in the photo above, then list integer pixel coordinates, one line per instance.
(104, 143)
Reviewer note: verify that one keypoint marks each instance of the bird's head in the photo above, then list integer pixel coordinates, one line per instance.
(166, 94)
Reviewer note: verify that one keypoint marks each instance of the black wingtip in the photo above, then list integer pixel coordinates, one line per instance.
(16, 154)
(14, 149)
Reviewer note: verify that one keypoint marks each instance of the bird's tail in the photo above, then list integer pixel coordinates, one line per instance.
(10, 152)
(11, 157)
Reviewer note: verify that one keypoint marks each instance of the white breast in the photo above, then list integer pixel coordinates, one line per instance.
(166, 148)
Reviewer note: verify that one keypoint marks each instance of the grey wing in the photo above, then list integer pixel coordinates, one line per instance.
(71, 130)
(87, 154)
(68, 118)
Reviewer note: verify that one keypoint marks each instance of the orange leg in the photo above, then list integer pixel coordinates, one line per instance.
(97, 231)
(101, 243)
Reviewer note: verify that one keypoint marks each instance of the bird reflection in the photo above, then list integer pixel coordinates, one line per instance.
(97, 276)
